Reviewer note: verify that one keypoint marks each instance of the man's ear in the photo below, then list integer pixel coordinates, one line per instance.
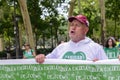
(86, 30)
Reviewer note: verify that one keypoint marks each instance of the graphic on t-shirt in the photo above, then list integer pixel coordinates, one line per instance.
(78, 55)
(112, 53)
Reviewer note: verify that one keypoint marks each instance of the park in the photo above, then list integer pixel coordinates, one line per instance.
(29, 28)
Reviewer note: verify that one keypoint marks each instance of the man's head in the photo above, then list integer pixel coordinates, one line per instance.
(79, 27)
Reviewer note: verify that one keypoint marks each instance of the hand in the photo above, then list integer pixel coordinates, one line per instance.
(119, 57)
(40, 58)
(94, 60)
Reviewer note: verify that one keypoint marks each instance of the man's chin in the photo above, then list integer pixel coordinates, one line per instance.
(73, 38)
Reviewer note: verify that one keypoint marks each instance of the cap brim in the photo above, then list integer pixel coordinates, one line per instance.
(74, 18)
(71, 19)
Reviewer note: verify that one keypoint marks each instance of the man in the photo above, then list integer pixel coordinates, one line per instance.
(79, 47)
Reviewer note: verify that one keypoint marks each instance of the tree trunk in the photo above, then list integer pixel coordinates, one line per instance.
(79, 6)
(27, 23)
(1, 44)
(115, 30)
(103, 22)
(70, 13)
(115, 16)
(72, 3)
(20, 36)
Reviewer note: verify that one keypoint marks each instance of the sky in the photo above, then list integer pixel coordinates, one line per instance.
(62, 10)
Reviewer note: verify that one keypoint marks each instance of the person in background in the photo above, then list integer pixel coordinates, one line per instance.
(79, 47)
(28, 52)
(8, 52)
(118, 43)
(110, 49)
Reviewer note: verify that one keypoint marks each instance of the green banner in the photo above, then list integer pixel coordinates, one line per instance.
(60, 72)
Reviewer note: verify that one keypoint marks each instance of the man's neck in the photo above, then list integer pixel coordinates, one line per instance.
(76, 41)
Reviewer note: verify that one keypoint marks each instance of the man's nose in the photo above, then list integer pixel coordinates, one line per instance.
(74, 27)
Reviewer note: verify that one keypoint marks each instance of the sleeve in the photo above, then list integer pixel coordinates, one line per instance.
(101, 55)
(23, 52)
(32, 50)
(52, 55)
(55, 54)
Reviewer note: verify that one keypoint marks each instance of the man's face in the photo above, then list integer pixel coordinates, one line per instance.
(77, 31)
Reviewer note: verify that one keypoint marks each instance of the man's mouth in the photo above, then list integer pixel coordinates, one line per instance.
(72, 32)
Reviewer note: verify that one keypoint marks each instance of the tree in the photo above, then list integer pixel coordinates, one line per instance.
(113, 14)
(72, 4)
(103, 22)
(27, 23)
(43, 14)
(90, 8)
(6, 23)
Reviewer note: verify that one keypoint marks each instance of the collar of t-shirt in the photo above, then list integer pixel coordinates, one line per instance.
(81, 42)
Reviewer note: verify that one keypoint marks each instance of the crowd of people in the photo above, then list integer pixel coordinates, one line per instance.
(79, 47)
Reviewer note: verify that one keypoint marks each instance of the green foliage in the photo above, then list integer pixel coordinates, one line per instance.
(113, 16)
(47, 22)
(45, 18)
(6, 22)
(42, 13)
(3, 55)
(113, 9)
(44, 51)
(90, 8)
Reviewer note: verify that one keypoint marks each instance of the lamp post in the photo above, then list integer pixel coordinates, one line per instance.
(16, 32)
(51, 34)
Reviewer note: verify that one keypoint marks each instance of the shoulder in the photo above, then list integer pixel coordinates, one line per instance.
(105, 48)
(96, 45)
(116, 48)
(32, 50)
(90, 42)
(63, 45)
(24, 52)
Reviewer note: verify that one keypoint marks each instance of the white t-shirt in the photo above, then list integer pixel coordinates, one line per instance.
(83, 50)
